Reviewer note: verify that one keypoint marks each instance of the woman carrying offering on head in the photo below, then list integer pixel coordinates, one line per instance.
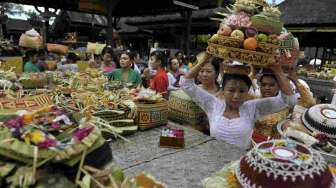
(31, 61)
(125, 73)
(232, 118)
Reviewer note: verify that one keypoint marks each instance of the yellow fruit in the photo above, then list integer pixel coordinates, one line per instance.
(250, 43)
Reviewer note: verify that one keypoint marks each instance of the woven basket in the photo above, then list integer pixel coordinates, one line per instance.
(57, 48)
(230, 41)
(183, 110)
(110, 115)
(241, 55)
(268, 48)
(30, 42)
(12, 62)
(151, 115)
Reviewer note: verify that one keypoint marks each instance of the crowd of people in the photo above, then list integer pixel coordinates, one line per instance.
(235, 104)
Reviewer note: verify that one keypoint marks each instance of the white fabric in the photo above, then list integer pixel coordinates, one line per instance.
(237, 131)
(171, 82)
(67, 67)
(136, 68)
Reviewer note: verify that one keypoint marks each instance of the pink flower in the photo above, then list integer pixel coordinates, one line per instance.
(80, 134)
(55, 125)
(15, 122)
(47, 143)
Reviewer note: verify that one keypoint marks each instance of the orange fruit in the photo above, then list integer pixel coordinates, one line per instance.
(250, 43)
(27, 118)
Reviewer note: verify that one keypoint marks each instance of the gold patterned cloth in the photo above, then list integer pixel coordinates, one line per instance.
(267, 124)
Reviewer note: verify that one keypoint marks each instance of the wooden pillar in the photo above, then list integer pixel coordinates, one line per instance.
(315, 57)
(187, 33)
(110, 5)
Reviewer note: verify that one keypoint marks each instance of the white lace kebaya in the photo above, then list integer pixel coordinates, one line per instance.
(237, 131)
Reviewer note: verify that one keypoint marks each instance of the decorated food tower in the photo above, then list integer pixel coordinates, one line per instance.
(249, 34)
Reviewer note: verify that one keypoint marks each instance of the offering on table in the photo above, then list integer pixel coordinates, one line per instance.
(321, 118)
(275, 163)
(49, 133)
(171, 137)
(146, 95)
(283, 163)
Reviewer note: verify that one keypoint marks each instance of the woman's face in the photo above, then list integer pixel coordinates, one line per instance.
(268, 87)
(154, 63)
(235, 93)
(207, 74)
(125, 61)
(174, 64)
(107, 58)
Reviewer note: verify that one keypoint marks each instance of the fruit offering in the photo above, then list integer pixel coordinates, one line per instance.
(249, 34)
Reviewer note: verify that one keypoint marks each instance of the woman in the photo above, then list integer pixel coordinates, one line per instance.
(208, 75)
(265, 127)
(30, 64)
(173, 74)
(70, 64)
(159, 82)
(125, 73)
(232, 119)
(108, 65)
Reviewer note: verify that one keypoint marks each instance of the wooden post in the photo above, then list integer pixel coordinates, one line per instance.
(316, 52)
(187, 32)
(110, 5)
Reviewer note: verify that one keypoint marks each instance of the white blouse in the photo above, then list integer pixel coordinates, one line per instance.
(237, 131)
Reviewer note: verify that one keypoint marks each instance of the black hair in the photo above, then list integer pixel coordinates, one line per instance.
(108, 50)
(130, 54)
(159, 55)
(72, 57)
(215, 62)
(30, 53)
(268, 75)
(178, 53)
(242, 77)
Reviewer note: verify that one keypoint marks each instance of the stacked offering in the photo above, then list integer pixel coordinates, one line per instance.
(250, 34)
(276, 163)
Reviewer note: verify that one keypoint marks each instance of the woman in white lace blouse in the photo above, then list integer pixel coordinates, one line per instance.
(232, 119)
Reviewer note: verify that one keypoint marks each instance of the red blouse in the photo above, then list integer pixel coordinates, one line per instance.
(160, 82)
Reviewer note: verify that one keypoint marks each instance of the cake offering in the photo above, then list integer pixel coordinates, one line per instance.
(249, 34)
(283, 163)
(321, 119)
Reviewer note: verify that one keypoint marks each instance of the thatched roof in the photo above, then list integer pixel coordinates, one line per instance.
(308, 12)
(18, 25)
(204, 14)
(87, 18)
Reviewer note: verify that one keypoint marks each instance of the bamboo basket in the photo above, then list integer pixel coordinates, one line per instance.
(268, 48)
(241, 55)
(230, 41)
(183, 110)
(30, 42)
(15, 63)
(150, 115)
(57, 48)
